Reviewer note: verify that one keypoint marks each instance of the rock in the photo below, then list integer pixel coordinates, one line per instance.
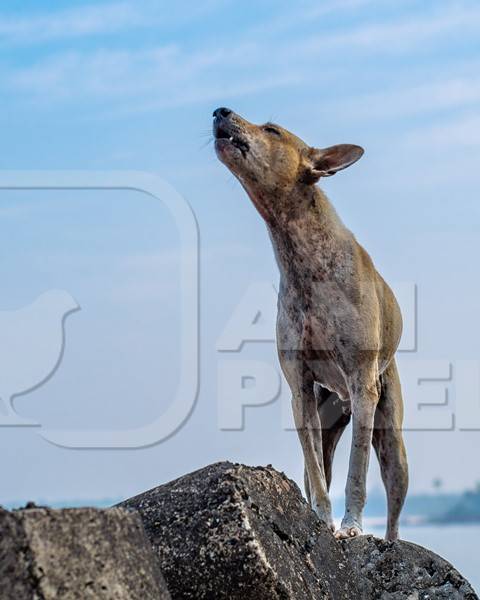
(76, 554)
(404, 571)
(237, 532)
(230, 531)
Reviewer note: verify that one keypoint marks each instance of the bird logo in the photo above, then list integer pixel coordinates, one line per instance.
(31, 350)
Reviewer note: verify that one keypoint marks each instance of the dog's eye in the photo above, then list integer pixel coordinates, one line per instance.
(270, 129)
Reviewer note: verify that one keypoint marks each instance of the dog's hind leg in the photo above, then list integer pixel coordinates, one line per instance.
(334, 417)
(306, 484)
(389, 446)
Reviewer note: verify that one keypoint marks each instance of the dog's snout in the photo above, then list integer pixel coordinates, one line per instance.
(222, 112)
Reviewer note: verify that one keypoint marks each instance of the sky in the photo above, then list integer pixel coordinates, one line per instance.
(130, 86)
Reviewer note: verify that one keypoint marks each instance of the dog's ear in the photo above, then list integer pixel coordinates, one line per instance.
(324, 162)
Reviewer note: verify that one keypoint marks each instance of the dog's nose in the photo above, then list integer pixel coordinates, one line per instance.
(222, 112)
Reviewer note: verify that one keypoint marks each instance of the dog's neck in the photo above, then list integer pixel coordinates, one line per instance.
(280, 206)
(300, 210)
(306, 232)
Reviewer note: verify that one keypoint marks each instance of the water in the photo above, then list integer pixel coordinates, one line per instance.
(460, 545)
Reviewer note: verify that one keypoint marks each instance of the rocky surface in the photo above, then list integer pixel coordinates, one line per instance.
(225, 531)
(230, 531)
(75, 554)
(403, 571)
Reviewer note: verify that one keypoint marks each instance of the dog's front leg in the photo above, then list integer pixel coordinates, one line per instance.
(309, 432)
(363, 408)
(307, 423)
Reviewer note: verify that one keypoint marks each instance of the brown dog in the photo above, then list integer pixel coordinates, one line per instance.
(338, 324)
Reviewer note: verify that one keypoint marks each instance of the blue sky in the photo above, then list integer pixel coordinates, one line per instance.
(132, 85)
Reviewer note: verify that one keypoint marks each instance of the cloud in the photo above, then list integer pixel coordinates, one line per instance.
(98, 73)
(306, 13)
(437, 159)
(398, 35)
(157, 77)
(72, 22)
(136, 79)
(423, 98)
(95, 19)
(460, 133)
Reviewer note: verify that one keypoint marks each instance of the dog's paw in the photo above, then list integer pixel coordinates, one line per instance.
(348, 530)
(331, 527)
(328, 522)
(324, 513)
(326, 518)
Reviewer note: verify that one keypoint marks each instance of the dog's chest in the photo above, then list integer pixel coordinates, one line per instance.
(314, 261)
(317, 287)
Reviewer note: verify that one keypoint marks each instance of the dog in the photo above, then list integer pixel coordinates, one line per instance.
(338, 324)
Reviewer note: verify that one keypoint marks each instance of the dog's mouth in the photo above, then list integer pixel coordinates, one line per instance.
(232, 138)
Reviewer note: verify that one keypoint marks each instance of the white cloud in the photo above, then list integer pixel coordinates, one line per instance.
(103, 72)
(438, 158)
(141, 79)
(305, 12)
(72, 22)
(429, 97)
(157, 77)
(399, 35)
(95, 19)
(461, 132)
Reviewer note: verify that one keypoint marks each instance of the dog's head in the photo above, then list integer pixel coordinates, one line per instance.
(268, 158)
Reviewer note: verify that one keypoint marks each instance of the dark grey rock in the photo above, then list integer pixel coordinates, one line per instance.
(404, 571)
(230, 531)
(75, 554)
